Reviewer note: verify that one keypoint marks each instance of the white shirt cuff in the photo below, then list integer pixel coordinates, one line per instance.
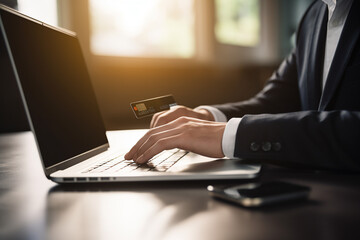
(217, 114)
(229, 137)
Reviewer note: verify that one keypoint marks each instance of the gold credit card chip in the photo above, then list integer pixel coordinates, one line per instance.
(140, 107)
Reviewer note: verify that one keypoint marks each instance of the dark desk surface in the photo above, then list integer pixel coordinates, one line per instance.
(32, 207)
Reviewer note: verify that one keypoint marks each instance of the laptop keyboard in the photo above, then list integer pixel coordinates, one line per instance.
(161, 163)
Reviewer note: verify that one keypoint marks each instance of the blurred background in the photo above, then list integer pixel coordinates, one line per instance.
(201, 51)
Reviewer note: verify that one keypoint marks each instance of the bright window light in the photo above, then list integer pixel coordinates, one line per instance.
(238, 22)
(145, 28)
(42, 10)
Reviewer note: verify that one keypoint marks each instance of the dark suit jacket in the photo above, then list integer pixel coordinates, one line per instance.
(291, 120)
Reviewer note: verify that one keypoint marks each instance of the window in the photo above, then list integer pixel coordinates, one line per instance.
(146, 28)
(43, 10)
(185, 29)
(237, 22)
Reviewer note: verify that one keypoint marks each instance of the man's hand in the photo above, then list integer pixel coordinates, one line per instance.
(162, 118)
(190, 134)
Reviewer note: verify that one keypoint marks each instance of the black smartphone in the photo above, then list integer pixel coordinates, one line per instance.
(260, 194)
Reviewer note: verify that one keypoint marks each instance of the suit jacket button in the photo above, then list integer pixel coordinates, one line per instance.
(266, 146)
(276, 146)
(254, 147)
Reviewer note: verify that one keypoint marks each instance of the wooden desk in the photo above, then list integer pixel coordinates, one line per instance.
(32, 207)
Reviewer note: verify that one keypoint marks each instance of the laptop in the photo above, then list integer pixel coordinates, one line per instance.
(64, 116)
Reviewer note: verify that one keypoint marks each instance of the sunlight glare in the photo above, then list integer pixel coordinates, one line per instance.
(142, 27)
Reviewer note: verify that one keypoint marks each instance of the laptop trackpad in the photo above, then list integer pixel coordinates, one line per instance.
(196, 163)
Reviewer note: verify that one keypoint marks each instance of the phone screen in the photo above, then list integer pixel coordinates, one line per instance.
(269, 189)
(258, 194)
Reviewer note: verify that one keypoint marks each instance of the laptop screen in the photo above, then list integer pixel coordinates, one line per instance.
(57, 89)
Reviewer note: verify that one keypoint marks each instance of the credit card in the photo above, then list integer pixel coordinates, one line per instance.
(151, 106)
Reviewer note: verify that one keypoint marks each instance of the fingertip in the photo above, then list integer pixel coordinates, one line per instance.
(130, 155)
(140, 160)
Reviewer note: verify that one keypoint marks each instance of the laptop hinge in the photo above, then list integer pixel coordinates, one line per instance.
(77, 159)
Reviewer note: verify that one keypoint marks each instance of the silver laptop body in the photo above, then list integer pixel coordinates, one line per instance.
(62, 110)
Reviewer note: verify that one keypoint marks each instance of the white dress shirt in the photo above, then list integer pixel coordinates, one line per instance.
(338, 11)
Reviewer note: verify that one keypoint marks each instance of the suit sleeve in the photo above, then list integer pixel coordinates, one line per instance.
(288, 136)
(280, 94)
(324, 140)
